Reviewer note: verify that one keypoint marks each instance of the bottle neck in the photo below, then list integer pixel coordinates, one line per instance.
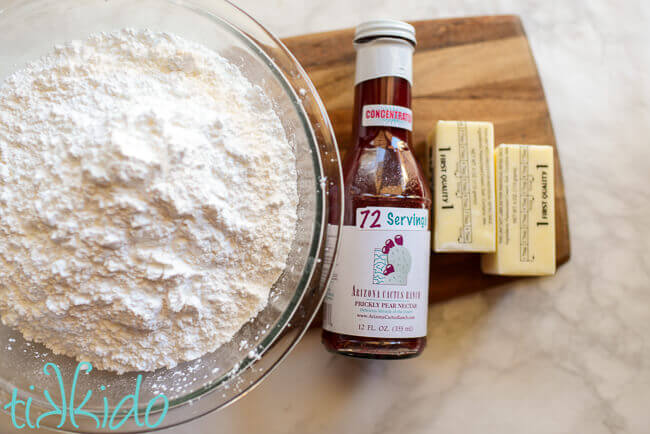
(382, 105)
(382, 99)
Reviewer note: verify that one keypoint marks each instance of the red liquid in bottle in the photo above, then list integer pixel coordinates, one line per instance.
(380, 171)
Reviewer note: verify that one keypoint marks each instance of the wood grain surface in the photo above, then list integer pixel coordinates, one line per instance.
(478, 68)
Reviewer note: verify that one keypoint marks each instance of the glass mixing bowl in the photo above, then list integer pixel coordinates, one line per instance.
(30, 28)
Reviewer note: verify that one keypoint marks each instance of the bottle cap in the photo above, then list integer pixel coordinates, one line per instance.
(385, 28)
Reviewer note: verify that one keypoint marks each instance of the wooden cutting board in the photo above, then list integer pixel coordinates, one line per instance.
(478, 68)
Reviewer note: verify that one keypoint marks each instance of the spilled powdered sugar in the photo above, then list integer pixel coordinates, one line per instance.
(147, 200)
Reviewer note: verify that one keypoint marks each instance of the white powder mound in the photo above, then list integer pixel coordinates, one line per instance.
(147, 200)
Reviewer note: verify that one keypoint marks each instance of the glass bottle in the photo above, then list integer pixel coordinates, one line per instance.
(376, 305)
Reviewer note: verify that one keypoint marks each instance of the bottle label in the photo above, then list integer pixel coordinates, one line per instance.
(384, 115)
(380, 283)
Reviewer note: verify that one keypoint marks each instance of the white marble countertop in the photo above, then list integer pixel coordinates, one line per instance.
(567, 354)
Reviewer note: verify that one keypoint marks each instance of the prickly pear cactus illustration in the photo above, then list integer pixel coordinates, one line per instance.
(394, 263)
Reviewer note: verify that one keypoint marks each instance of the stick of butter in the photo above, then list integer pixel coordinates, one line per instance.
(525, 212)
(461, 166)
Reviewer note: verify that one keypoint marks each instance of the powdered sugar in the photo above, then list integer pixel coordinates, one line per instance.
(147, 200)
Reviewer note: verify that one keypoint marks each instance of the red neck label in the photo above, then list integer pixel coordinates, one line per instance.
(384, 115)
